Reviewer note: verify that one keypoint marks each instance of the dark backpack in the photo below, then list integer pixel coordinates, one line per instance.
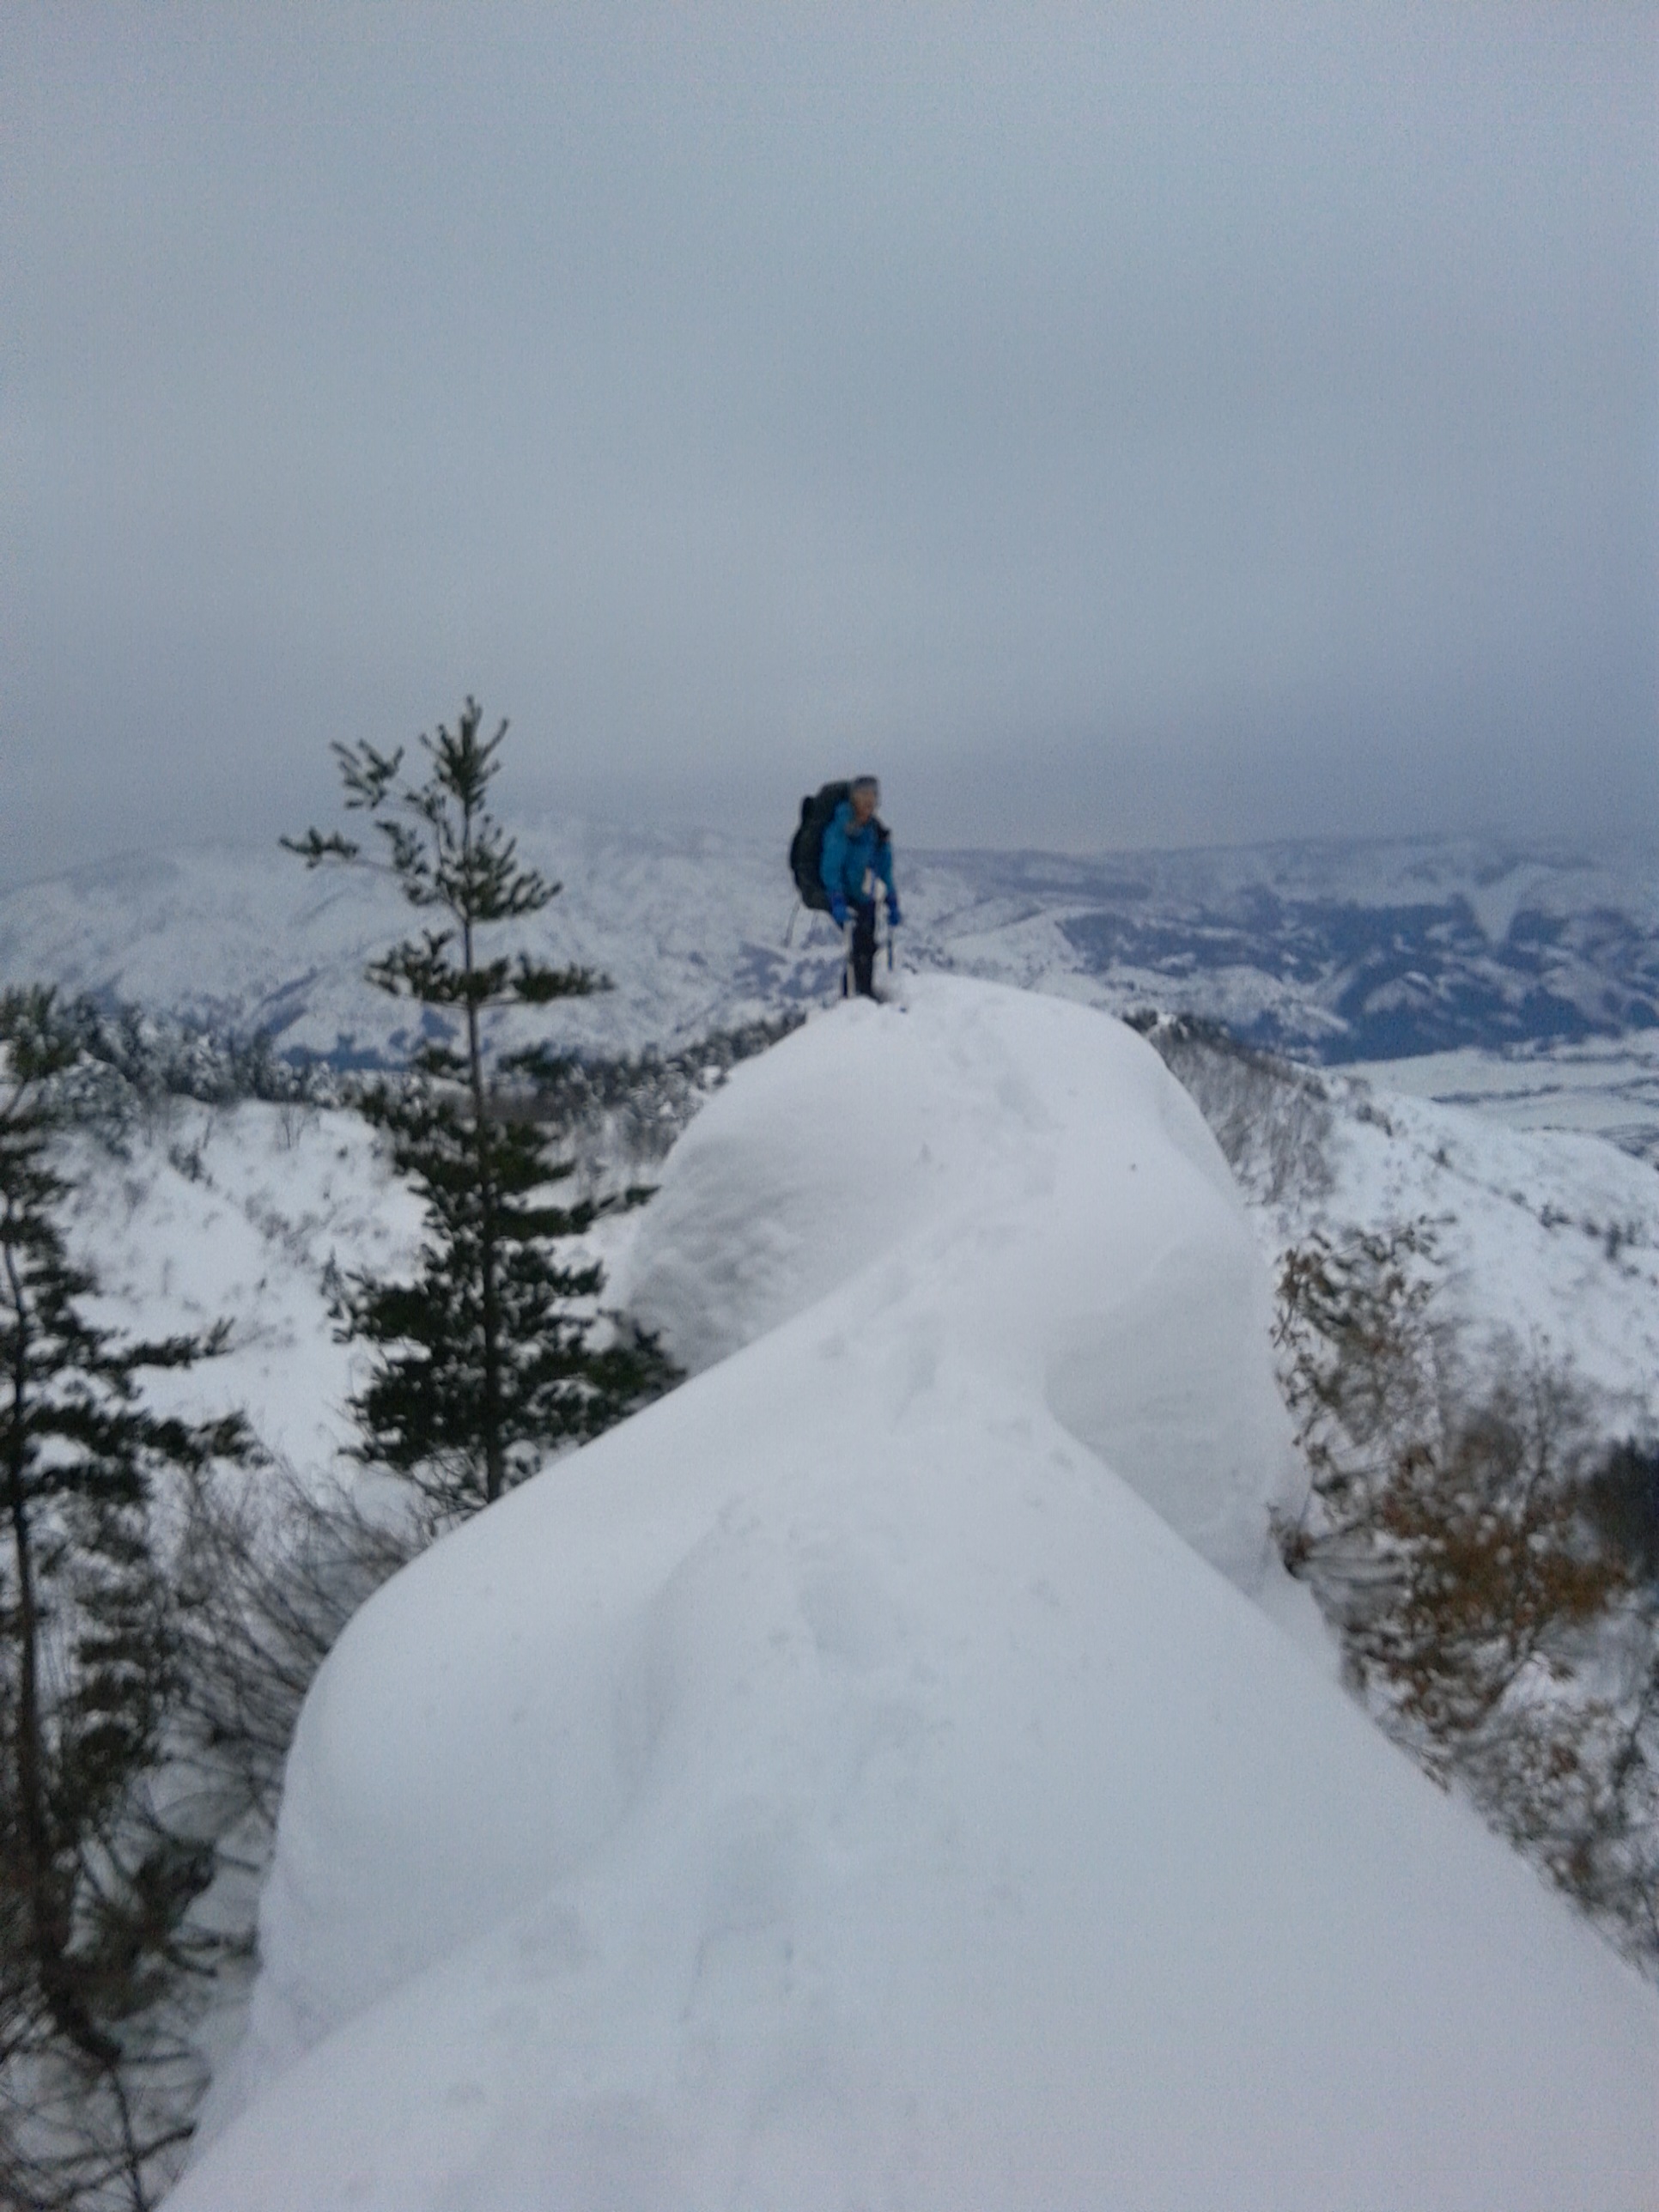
(818, 812)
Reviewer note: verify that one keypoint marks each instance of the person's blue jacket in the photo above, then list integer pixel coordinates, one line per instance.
(848, 853)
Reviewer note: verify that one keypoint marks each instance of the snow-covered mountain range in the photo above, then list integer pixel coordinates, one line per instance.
(1333, 952)
(1523, 981)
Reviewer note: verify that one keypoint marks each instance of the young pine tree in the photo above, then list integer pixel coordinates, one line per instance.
(488, 1356)
(92, 1887)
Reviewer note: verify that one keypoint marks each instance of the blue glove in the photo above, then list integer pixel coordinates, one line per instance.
(838, 910)
(892, 910)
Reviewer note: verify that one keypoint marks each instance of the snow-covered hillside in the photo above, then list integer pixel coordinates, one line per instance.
(1548, 1239)
(839, 1786)
(237, 1213)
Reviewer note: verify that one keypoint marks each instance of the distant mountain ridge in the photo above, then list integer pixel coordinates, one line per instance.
(1366, 952)
(1328, 951)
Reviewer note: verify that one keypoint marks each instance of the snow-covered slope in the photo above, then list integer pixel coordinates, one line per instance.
(690, 928)
(235, 1214)
(837, 1787)
(1547, 1237)
(1109, 1245)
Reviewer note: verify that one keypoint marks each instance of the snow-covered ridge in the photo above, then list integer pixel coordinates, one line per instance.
(839, 1787)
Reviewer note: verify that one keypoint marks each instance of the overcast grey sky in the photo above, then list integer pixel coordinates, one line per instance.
(1115, 424)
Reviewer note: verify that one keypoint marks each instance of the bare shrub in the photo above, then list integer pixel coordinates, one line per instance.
(270, 1573)
(1463, 1532)
(266, 1575)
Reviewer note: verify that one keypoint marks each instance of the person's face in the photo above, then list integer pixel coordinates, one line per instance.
(863, 805)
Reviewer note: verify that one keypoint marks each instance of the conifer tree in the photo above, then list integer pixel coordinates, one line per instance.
(488, 1356)
(92, 1888)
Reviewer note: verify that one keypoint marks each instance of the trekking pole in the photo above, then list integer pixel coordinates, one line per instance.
(847, 928)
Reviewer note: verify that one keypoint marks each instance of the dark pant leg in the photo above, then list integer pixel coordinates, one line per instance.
(863, 948)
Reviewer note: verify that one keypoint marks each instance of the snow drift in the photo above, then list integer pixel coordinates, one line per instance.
(838, 1787)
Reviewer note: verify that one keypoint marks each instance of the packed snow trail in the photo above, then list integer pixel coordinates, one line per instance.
(838, 1788)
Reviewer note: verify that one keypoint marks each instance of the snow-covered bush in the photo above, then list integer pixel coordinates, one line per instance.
(157, 1055)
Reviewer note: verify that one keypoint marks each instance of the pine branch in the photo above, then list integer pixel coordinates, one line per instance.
(409, 862)
(540, 1064)
(536, 984)
(314, 848)
(367, 775)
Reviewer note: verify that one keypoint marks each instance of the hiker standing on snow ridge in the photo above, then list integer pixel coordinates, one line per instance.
(855, 850)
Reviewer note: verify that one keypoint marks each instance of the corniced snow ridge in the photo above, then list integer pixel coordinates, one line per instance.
(862, 1781)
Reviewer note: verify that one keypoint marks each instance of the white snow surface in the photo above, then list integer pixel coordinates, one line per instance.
(838, 1787)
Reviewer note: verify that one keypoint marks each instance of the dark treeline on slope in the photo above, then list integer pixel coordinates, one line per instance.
(97, 1882)
(127, 1057)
